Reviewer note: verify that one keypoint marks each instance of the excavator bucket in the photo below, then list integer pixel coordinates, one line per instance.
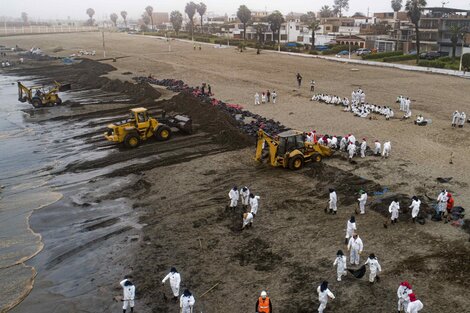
(65, 87)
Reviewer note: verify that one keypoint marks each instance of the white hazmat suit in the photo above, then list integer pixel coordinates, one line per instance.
(247, 219)
(351, 150)
(415, 204)
(350, 229)
(254, 204)
(374, 266)
(356, 246)
(245, 195)
(362, 202)
(234, 195)
(129, 295)
(363, 149)
(175, 280)
(394, 209)
(333, 201)
(323, 298)
(187, 303)
(403, 297)
(387, 149)
(414, 307)
(341, 265)
(378, 148)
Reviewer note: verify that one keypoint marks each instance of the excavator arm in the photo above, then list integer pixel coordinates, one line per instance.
(24, 93)
(272, 145)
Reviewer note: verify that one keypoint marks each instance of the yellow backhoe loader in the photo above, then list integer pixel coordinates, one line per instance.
(289, 149)
(140, 126)
(39, 97)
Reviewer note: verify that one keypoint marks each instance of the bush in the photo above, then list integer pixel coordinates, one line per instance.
(435, 64)
(296, 50)
(445, 59)
(202, 39)
(381, 55)
(338, 48)
(453, 66)
(314, 52)
(398, 58)
(466, 61)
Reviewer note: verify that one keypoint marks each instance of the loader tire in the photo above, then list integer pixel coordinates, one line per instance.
(132, 141)
(296, 162)
(316, 157)
(36, 102)
(163, 133)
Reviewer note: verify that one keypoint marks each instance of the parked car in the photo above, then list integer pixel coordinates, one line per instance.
(344, 52)
(412, 52)
(363, 51)
(432, 55)
(321, 47)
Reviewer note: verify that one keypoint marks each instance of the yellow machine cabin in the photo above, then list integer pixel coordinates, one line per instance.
(289, 149)
(140, 126)
(38, 96)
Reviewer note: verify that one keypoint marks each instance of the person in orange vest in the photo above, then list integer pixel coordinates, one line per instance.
(450, 206)
(263, 305)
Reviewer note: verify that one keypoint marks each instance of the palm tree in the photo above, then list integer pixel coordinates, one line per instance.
(260, 29)
(413, 9)
(149, 10)
(90, 12)
(244, 15)
(276, 19)
(190, 10)
(326, 11)
(145, 20)
(124, 17)
(396, 5)
(176, 19)
(113, 17)
(314, 26)
(455, 32)
(201, 10)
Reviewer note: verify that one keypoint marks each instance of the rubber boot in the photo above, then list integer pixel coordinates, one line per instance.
(414, 219)
(346, 241)
(334, 212)
(331, 211)
(123, 310)
(132, 310)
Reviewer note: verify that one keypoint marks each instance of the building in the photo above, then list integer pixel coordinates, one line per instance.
(160, 18)
(351, 39)
(436, 26)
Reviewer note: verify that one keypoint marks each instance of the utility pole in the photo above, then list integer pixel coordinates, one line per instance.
(104, 47)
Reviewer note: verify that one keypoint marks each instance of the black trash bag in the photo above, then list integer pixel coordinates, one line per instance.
(359, 273)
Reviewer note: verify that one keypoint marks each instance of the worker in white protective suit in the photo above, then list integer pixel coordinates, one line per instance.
(351, 150)
(341, 265)
(362, 201)
(351, 138)
(175, 281)
(245, 196)
(387, 149)
(442, 202)
(254, 204)
(415, 204)
(374, 266)
(247, 220)
(187, 302)
(257, 99)
(350, 229)
(403, 294)
(332, 203)
(394, 209)
(234, 195)
(415, 305)
(455, 118)
(342, 143)
(363, 148)
(377, 147)
(129, 295)
(462, 119)
(323, 294)
(355, 246)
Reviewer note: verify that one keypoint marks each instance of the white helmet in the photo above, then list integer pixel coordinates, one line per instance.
(263, 294)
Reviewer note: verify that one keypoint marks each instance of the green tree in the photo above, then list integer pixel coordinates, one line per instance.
(149, 11)
(396, 5)
(341, 5)
(314, 26)
(326, 11)
(455, 33)
(260, 29)
(124, 17)
(201, 10)
(275, 20)
(308, 18)
(113, 17)
(190, 10)
(413, 9)
(90, 12)
(244, 15)
(176, 19)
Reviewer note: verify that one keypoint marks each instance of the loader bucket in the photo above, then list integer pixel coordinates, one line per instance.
(65, 87)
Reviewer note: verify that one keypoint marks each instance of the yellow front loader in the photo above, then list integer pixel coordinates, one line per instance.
(38, 96)
(289, 149)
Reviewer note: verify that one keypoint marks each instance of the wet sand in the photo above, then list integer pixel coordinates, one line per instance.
(177, 193)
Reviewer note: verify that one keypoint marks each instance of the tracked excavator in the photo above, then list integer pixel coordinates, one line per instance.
(289, 149)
